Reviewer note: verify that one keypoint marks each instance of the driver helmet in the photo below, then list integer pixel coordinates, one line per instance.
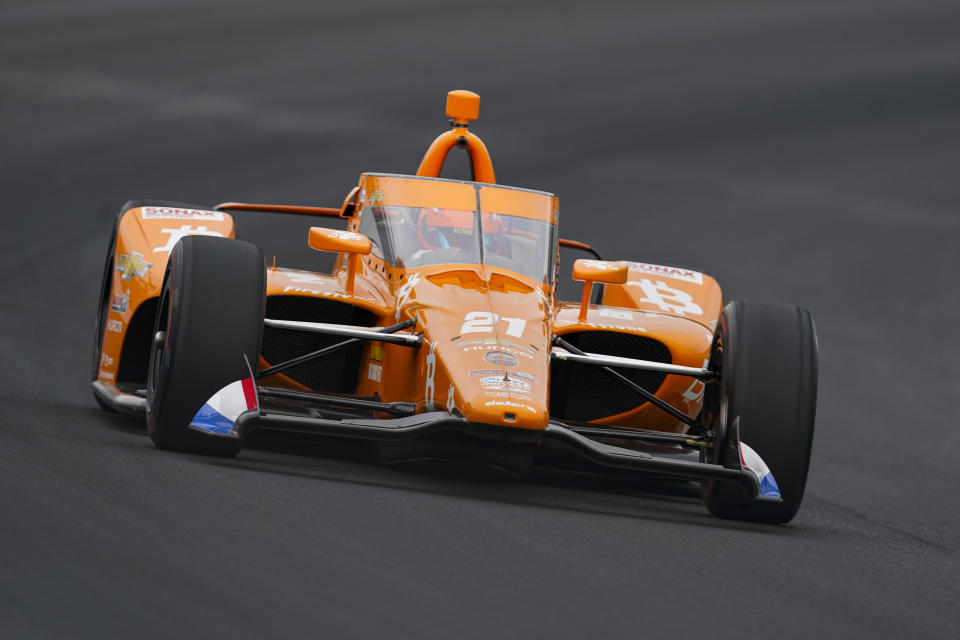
(446, 228)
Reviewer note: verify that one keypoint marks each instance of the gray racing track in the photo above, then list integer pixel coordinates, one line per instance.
(805, 152)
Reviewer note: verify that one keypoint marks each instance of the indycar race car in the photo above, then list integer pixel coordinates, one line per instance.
(439, 335)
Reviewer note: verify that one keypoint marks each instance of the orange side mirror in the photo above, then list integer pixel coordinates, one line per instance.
(323, 239)
(600, 271)
(590, 271)
(354, 244)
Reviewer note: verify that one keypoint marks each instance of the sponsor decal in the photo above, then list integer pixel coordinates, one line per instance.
(621, 327)
(670, 272)
(602, 265)
(316, 292)
(502, 383)
(491, 347)
(501, 358)
(523, 376)
(376, 352)
(497, 342)
(403, 293)
(132, 264)
(106, 375)
(497, 372)
(304, 277)
(508, 403)
(345, 235)
(694, 392)
(667, 298)
(374, 372)
(327, 294)
(105, 360)
(185, 230)
(451, 399)
(115, 326)
(616, 314)
(120, 302)
(431, 370)
(376, 196)
(485, 372)
(175, 213)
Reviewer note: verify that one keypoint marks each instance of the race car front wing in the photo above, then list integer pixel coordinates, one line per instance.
(239, 409)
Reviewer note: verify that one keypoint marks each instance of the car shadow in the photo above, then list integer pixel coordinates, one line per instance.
(356, 463)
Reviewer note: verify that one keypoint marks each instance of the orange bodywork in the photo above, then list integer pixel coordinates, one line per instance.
(487, 331)
(145, 237)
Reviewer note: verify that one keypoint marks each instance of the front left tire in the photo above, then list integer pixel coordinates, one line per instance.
(210, 316)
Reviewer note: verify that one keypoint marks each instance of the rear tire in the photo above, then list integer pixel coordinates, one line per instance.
(211, 312)
(768, 361)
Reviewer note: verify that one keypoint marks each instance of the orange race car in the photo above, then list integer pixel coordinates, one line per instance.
(439, 335)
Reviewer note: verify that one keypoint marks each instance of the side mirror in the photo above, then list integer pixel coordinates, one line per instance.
(590, 271)
(353, 244)
(338, 241)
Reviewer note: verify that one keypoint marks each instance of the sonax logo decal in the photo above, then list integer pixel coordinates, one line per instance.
(670, 272)
(132, 264)
(174, 213)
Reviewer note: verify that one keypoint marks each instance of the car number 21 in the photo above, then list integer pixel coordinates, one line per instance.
(483, 322)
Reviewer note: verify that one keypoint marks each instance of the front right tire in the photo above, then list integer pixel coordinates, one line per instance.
(210, 316)
(767, 358)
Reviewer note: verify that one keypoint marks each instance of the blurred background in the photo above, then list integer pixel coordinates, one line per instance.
(803, 152)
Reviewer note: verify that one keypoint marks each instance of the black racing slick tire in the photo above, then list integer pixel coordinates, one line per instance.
(210, 316)
(767, 358)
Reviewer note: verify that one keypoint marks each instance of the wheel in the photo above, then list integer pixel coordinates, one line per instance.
(103, 306)
(767, 358)
(209, 317)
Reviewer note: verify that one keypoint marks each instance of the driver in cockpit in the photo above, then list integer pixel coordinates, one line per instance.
(452, 231)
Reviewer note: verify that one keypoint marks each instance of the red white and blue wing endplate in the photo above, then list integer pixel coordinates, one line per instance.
(752, 461)
(218, 415)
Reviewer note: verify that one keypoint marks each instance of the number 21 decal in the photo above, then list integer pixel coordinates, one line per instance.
(483, 321)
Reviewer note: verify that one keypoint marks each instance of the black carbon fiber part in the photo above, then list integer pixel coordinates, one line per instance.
(582, 392)
(336, 372)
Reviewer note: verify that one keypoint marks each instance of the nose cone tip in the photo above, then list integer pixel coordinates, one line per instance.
(517, 413)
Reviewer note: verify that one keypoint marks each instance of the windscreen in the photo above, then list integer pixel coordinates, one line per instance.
(482, 224)
(408, 237)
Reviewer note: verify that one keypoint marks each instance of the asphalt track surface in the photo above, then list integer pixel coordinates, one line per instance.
(804, 152)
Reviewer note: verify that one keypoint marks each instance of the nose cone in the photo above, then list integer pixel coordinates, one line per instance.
(488, 345)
